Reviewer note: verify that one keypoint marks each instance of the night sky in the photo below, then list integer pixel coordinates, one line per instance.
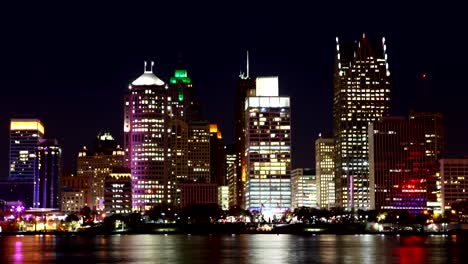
(70, 65)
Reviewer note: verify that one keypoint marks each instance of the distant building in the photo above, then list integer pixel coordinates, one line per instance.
(71, 185)
(361, 95)
(223, 197)
(399, 166)
(118, 192)
(231, 174)
(246, 87)
(72, 201)
(325, 169)
(198, 193)
(25, 135)
(454, 181)
(217, 156)
(47, 174)
(97, 164)
(303, 188)
(268, 149)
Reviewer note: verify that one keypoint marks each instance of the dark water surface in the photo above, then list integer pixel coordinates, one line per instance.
(258, 248)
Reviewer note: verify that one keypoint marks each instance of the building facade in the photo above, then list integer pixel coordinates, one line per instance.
(25, 135)
(231, 174)
(198, 193)
(47, 174)
(454, 181)
(268, 149)
(399, 166)
(146, 140)
(303, 188)
(118, 192)
(361, 95)
(325, 169)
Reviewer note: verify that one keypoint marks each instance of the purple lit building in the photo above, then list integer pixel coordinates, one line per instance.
(47, 174)
(146, 140)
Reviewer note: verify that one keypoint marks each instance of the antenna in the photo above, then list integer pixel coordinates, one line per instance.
(152, 64)
(247, 64)
(144, 70)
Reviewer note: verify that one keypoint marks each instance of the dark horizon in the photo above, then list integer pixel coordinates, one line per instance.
(70, 67)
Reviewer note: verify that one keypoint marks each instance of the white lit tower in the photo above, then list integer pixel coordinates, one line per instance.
(268, 149)
(146, 133)
(361, 95)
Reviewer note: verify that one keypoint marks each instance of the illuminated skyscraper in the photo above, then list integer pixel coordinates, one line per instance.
(454, 181)
(325, 169)
(399, 166)
(118, 192)
(231, 174)
(268, 149)
(246, 88)
(303, 188)
(361, 96)
(199, 152)
(98, 163)
(146, 140)
(47, 169)
(25, 135)
(217, 156)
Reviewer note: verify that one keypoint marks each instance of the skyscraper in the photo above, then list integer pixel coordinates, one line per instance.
(25, 135)
(268, 149)
(454, 181)
(325, 169)
(98, 163)
(399, 166)
(146, 140)
(231, 174)
(217, 156)
(47, 171)
(361, 95)
(246, 88)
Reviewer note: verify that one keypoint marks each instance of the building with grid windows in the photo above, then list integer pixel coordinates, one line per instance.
(25, 135)
(325, 169)
(303, 188)
(268, 149)
(361, 95)
(454, 181)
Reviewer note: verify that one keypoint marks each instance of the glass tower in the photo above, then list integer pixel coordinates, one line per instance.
(268, 149)
(361, 95)
(25, 135)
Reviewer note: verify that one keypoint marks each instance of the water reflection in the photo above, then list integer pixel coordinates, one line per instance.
(262, 248)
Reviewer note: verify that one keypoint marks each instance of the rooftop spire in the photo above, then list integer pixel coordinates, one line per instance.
(247, 64)
(151, 67)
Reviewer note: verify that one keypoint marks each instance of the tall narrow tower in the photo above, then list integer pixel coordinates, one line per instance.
(361, 95)
(246, 88)
(146, 140)
(47, 171)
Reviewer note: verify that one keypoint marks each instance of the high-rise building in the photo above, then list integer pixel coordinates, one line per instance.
(433, 126)
(217, 156)
(47, 169)
(361, 95)
(223, 197)
(268, 149)
(454, 181)
(325, 169)
(97, 164)
(25, 135)
(303, 188)
(118, 192)
(399, 166)
(183, 104)
(231, 174)
(199, 152)
(72, 185)
(246, 88)
(146, 140)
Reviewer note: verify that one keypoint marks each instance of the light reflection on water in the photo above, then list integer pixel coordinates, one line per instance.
(261, 248)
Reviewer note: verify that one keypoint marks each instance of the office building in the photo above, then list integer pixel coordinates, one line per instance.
(246, 87)
(454, 181)
(303, 188)
(146, 140)
(118, 192)
(198, 193)
(361, 95)
(325, 169)
(268, 149)
(223, 197)
(217, 157)
(399, 166)
(231, 174)
(25, 135)
(47, 169)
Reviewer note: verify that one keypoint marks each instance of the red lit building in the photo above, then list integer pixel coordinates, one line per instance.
(399, 166)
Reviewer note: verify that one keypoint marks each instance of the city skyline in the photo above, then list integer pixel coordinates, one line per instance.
(76, 78)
